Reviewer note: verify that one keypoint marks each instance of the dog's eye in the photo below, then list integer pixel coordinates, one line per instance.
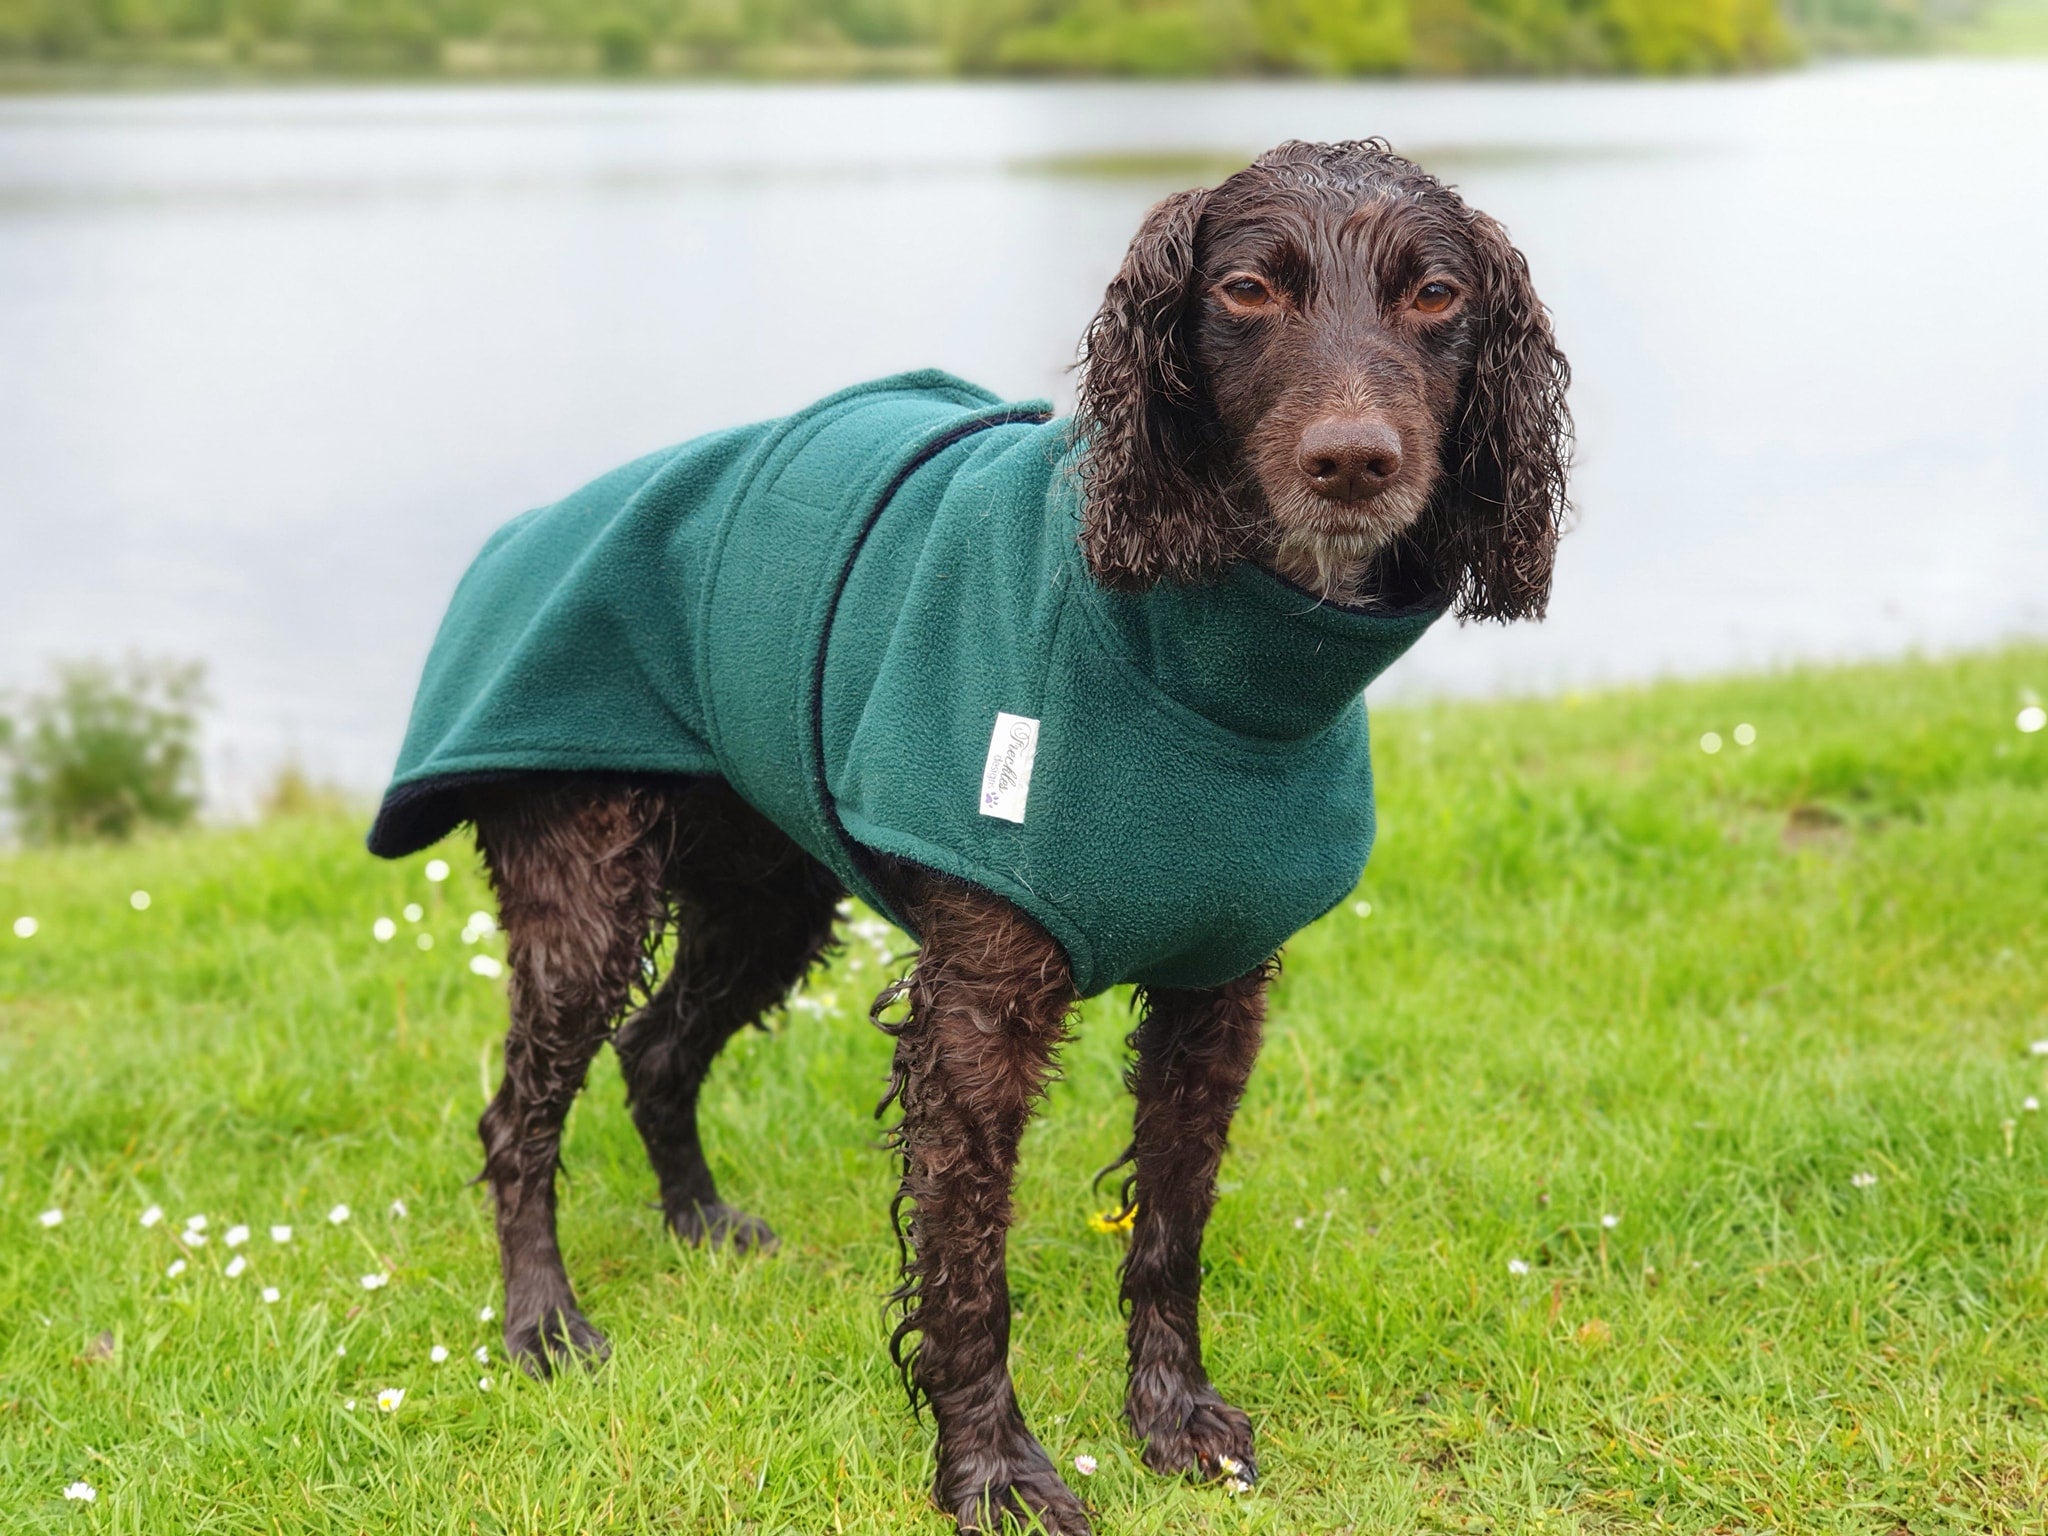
(1247, 292)
(1434, 298)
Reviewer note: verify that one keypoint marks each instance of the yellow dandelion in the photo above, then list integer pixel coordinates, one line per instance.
(1113, 1220)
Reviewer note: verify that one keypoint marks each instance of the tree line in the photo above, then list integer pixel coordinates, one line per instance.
(781, 38)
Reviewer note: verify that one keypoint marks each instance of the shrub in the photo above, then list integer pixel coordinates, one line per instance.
(1335, 37)
(293, 792)
(1667, 37)
(1117, 37)
(106, 751)
(623, 46)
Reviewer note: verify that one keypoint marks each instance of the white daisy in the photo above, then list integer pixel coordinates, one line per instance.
(195, 1223)
(139, 900)
(177, 1268)
(1518, 1266)
(280, 1234)
(390, 1398)
(1745, 735)
(270, 1294)
(235, 1236)
(2032, 718)
(83, 1493)
(1085, 1464)
(383, 930)
(425, 941)
(51, 1218)
(1610, 1222)
(25, 927)
(152, 1216)
(438, 1354)
(349, 1406)
(235, 1267)
(1710, 743)
(485, 1314)
(338, 1215)
(483, 1355)
(2030, 1104)
(483, 1383)
(398, 1209)
(436, 871)
(1863, 1180)
(413, 912)
(376, 1282)
(486, 967)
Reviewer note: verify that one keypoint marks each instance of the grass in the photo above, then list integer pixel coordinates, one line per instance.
(1604, 974)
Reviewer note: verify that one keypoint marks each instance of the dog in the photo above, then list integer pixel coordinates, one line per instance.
(1320, 405)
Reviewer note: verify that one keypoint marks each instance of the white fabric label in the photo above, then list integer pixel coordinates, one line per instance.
(1006, 777)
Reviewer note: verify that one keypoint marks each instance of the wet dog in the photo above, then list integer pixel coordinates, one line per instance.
(1328, 369)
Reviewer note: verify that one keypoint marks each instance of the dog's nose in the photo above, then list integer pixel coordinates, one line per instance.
(1348, 458)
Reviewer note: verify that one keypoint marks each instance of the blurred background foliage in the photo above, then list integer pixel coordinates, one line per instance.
(105, 751)
(841, 38)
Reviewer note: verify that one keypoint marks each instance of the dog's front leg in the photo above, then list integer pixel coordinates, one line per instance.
(1194, 1050)
(989, 1001)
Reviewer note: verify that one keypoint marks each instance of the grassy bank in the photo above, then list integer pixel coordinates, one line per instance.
(1768, 1009)
(777, 39)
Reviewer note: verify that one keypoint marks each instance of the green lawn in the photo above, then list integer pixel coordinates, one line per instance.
(1731, 1050)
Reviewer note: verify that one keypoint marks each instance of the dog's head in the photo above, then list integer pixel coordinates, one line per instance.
(1330, 364)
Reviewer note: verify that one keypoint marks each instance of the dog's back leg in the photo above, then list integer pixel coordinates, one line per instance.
(577, 868)
(753, 913)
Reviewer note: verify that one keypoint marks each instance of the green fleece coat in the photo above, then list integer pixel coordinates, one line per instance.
(873, 619)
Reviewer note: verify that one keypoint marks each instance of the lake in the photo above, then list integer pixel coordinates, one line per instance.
(272, 364)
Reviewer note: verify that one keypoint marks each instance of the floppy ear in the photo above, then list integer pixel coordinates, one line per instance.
(1508, 448)
(1153, 501)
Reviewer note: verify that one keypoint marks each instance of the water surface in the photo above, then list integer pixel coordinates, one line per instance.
(272, 364)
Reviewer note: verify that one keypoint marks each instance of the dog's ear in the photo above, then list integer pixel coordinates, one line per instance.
(1153, 502)
(1508, 448)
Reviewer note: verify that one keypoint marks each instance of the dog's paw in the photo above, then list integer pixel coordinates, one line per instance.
(556, 1338)
(723, 1226)
(1195, 1432)
(1028, 1502)
(1012, 1488)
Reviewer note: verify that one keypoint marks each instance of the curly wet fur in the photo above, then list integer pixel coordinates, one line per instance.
(589, 873)
(577, 877)
(1191, 1056)
(1173, 489)
(988, 1005)
(1192, 414)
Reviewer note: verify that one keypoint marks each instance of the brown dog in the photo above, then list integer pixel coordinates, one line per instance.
(1329, 366)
